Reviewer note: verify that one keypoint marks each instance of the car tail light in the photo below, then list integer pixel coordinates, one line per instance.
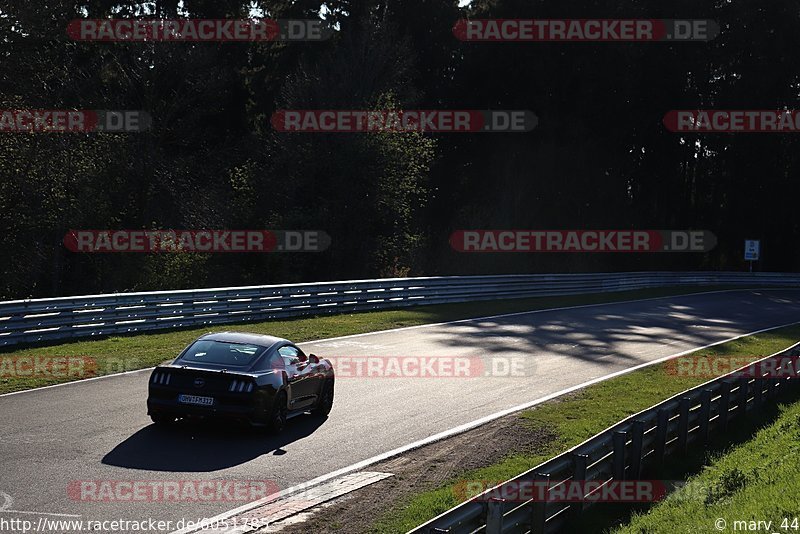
(239, 386)
(161, 378)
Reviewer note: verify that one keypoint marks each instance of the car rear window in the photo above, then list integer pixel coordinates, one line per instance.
(222, 353)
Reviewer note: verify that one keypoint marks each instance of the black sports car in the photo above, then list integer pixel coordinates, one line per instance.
(249, 378)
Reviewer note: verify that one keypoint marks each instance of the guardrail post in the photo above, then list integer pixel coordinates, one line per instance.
(637, 436)
(705, 415)
(579, 463)
(742, 397)
(494, 516)
(662, 426)
(724, 405)
(787, 382)
(794, 378)
(683, 423)
(541, 485)
(758, 385)
(772, 382)
(620, 437)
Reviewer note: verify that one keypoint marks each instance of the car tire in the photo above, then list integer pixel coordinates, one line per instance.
(325, 403)
(161, 419)
(277, 416)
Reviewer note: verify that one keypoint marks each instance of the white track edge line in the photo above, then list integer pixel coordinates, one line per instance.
(460, 430)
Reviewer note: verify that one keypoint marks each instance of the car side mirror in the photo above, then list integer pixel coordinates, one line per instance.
(313, 358)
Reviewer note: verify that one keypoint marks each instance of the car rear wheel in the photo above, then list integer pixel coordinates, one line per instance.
(277, 418)
(325, 403)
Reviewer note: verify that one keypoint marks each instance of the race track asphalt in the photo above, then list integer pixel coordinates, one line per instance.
(99, 430)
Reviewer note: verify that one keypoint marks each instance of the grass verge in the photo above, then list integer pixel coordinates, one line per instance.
(116, 354)
(574, 418)
(758, 480)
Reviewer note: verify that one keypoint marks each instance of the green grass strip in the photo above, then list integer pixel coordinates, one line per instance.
(758, 480)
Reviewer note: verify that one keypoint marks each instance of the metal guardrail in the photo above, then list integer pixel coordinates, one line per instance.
(622, 452)
(35, 320)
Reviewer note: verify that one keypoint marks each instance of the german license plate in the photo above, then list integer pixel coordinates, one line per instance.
(195, 399)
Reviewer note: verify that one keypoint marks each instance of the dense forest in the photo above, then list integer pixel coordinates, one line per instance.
(600, 156)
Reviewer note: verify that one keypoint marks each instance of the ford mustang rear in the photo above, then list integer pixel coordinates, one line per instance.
(249, 378)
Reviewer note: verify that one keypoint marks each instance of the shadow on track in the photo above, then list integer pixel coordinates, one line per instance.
(613, 333)
(202, 447)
